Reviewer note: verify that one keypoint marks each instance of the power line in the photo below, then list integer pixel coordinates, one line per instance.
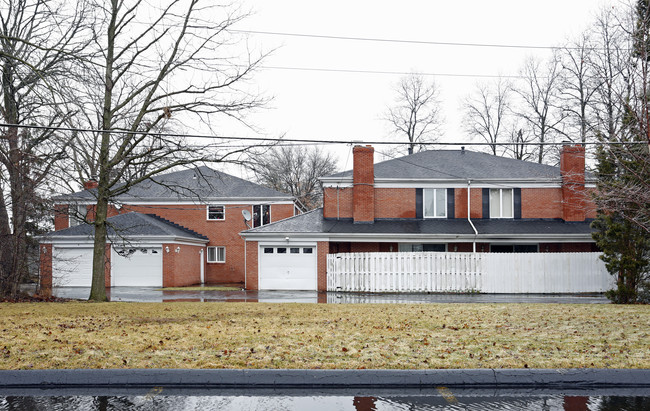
(308, 141)
(401, 73)
(387, 40)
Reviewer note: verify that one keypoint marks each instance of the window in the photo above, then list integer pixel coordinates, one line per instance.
(501, 203)
(294, 250)
(261, 215)
(216, 254)
(307, 250)
(268, 250)
(77, 214)
(216, 212)
(435, 202)
(282, 250)
(513, 248)
(408, 247)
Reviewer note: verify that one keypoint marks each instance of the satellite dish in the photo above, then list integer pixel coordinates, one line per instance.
(246, 214)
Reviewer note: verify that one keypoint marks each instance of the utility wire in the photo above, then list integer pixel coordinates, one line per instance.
(387, 40)
(308, 141)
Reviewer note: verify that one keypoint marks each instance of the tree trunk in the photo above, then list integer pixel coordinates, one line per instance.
(98, 286)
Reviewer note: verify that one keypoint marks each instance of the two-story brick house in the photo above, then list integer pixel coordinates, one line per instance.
(177, 229)
(420, 203)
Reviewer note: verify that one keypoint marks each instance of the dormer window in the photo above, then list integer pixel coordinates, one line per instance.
(501, 203)
(435, 202)
(216, 212)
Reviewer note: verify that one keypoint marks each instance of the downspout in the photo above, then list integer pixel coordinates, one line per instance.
(469, 219)
(246, 265)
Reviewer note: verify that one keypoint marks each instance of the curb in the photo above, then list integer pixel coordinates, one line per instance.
(327, 379)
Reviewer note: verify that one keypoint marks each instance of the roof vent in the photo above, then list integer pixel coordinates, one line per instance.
(462, 149)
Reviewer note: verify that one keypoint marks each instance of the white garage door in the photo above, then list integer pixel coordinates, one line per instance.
(287, 267)
(72, 267)
(136, 267)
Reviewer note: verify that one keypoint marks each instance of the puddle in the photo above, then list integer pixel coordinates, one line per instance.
(440, 399)
(151, 294)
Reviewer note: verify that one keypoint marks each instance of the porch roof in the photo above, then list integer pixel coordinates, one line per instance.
(314, 223)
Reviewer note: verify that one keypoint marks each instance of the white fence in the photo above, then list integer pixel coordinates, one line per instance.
(468, 272)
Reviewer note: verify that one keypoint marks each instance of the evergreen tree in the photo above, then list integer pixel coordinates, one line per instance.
(625, 244)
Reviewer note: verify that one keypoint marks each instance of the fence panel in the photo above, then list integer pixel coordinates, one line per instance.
(467, 272)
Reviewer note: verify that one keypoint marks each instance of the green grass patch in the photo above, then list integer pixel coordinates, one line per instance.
(199, 288)
(261, 335)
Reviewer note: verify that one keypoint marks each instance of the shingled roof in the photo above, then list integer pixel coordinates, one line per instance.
(131, 225)
(459, 164)
(314, 223)
(197, 183)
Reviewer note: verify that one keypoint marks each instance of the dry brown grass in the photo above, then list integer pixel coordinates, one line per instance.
(245, 335)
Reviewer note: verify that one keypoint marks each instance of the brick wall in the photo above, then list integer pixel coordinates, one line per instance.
(572, 166)
(337, 203)
(460, 200)
(322, 247)
(363, 195)
(541, 203)
(394, 203)
(182, 268)
(364, 247)
(252, 278)
(61, 218)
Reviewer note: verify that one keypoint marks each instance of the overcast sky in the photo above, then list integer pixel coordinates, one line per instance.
(332, 105)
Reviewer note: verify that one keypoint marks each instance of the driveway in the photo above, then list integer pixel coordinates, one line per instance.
(149, 294)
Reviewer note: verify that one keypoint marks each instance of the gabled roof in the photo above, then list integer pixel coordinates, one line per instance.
(131, 225)
(458, 164)
(314, 223)
(200, 183)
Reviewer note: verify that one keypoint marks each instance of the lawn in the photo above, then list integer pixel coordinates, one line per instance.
(259, 335)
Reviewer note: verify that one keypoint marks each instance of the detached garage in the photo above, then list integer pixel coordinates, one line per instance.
(144, 250)
(287, 267)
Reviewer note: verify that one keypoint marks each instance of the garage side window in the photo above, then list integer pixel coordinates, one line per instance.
(216, 212)
(216, 254)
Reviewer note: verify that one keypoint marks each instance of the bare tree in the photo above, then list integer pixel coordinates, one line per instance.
(160, 67)
(486, 113)
(520, 143)
(40, 41)
(540, 106)
(295, 170)
(417, 112)
(613, 68)
(578, 85)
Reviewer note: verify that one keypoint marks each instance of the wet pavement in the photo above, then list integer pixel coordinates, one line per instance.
(150, 294)
(157, 398)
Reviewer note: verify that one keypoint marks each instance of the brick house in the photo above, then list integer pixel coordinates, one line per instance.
(181, 228)
(420, 203)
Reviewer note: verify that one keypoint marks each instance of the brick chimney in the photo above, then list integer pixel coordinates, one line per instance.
(572, 169)
(90, 184)
(363, 191)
